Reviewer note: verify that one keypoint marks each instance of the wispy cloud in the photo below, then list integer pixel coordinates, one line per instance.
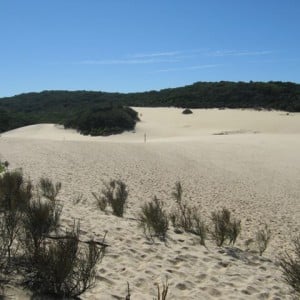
(173, 57)
(126, 61)
(198, 67)
(156, 54)
(238, 53)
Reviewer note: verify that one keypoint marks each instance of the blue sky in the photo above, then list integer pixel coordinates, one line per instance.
(138, 45)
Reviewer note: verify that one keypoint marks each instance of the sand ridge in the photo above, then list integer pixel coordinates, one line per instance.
(255, 175)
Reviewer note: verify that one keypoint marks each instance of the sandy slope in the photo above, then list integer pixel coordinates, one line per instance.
(252, 168)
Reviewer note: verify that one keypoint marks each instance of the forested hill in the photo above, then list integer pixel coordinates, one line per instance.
(69, 108)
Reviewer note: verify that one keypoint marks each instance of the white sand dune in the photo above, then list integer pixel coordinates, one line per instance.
(246, 161)
(164, 124)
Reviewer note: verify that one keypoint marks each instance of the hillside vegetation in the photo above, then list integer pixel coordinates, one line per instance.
(100, 113)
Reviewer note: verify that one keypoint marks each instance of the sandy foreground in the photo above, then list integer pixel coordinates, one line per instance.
(246, 161)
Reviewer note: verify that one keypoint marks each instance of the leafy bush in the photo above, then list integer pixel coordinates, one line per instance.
(262, 239)
(115, 194)
(153, 219)
(3, 166)
(224, 228)
(290, 265)
(15, 195)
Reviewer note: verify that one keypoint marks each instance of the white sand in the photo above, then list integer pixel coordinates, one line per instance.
(252, 169)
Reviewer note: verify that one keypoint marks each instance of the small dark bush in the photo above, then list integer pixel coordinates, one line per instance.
(101, 201)
(186, 217)
(162, 295)
(3, 166)
(15, 193)
(234, 230)
(115, 194)
(224, 228)
(196, 225)
(153, 219)
(48, 189)
(183, 215)
(290, 265)
(187, 111)
(199, 227)
(103, 120)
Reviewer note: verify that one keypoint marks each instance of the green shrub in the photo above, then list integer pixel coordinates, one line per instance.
(224, 228)
(187, 217)
(153, 219)
(199, 227)
(3, 166)
(290, 265)
(234, 230)
(187, 111)
(15, 195)
(115, 194)
(41, 217)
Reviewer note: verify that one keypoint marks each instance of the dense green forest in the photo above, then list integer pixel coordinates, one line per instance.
(100, 113)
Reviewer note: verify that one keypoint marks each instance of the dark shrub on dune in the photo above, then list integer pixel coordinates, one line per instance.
(187, 111)
(103, 121)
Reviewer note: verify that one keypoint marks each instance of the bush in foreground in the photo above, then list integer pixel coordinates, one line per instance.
(50, 263)
(63, 268)
(290, 265)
